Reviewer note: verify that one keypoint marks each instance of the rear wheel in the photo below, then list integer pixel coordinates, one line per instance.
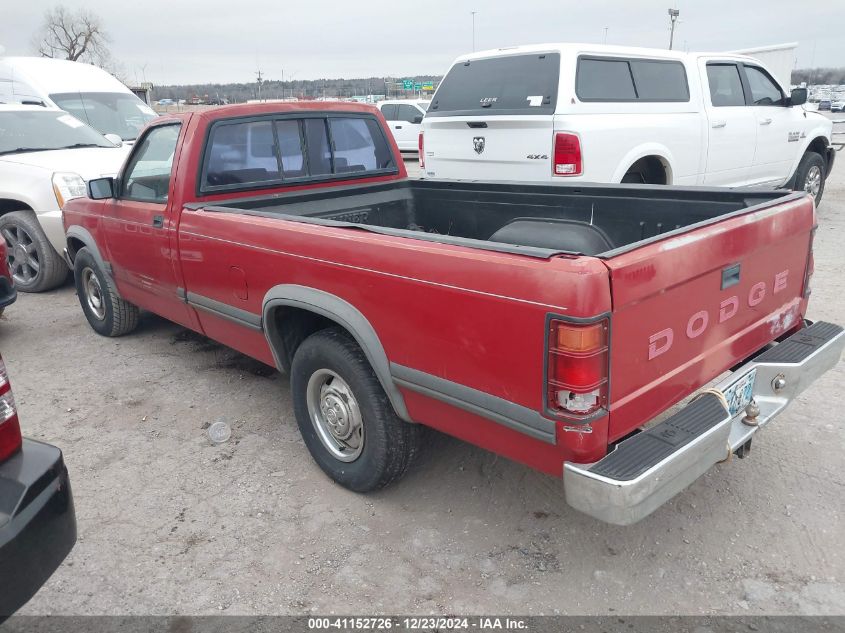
(346, 419)
(810, 175)
(107, 314)
(34, 263)
(648, 171)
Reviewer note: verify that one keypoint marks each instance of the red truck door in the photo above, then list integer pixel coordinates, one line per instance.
(140, 226)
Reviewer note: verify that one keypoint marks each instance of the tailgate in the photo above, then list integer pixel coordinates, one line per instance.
(489, 148)
(691, 306)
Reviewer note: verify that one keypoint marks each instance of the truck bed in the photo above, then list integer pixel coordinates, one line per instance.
(534, 220)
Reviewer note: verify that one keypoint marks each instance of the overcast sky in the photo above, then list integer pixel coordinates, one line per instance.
(190, 41)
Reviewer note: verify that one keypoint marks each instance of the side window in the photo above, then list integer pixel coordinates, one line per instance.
(725, 85)
(317, 144)
(290, 148)
(764, 91)
(241, 153)
(388, 110)
(408, 113)
(660, 81)
(147, 176)
(604, 80)
(358, 145)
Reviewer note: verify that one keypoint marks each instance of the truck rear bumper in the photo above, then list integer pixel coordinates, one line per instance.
(650, 468)
(37, 522)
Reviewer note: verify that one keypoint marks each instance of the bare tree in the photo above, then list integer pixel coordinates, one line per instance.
(77, 36)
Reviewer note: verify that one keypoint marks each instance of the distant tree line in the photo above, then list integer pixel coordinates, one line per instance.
(819, 76)
(304, 88)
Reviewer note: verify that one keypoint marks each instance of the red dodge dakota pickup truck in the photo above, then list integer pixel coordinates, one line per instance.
(548, 323)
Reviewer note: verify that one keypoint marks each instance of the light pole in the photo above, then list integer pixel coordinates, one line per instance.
(473, 30)
(673, 17)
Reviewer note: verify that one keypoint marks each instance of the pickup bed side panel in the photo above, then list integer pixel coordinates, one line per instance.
(463, 329)
(690, 307)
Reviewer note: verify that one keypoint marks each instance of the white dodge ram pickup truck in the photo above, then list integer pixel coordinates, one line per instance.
(585, 112)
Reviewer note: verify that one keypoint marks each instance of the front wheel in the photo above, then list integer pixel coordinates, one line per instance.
(810, 175)
(34, 263)
(108, 314)
(344, 416)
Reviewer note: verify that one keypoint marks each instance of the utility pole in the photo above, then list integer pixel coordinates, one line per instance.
(259, 79)
(473, 30)
(605, 35)
(673, 17)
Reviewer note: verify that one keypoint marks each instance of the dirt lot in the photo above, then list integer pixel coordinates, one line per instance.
(169, 523)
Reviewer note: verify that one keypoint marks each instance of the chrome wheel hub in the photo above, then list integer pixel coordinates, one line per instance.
(813, 181)
(335, 414)
(93, 294)
(23, 257)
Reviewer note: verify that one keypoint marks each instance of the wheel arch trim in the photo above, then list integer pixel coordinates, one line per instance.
(646, 150)
(84, 235)
(344, 314)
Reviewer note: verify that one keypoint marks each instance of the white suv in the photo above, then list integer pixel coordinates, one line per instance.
(583, 112)
(46, 158)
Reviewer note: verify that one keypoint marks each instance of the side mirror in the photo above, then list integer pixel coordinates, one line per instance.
(417, 119)
(101, 188)
(798, 96)
(115, 139)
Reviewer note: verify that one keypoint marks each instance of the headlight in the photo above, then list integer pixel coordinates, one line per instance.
(66, 186)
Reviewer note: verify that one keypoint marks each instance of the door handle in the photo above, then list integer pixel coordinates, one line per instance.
(720, 124)
(765, 121)
(158, 221)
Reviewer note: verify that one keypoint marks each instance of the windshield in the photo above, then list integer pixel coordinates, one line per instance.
(41, 130)
(109, 112)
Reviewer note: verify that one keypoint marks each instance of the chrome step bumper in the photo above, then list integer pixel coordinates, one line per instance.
(650, 468)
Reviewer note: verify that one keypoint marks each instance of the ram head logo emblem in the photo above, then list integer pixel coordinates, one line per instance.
(478, 144)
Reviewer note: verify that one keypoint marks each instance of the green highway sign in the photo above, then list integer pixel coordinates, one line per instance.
(408, 84)
(417, 86)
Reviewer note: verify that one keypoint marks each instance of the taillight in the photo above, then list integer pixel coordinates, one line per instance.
(421, 148)
(577, 372)
(10, 430)
(567, 156)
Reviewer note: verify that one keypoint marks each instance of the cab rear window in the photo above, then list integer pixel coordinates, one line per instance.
(266, 151)
(512, 84)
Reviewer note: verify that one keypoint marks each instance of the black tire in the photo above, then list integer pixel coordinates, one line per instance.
(111, 315)
(809, 161)
(645, 172)
(389, 443)
(34, 263)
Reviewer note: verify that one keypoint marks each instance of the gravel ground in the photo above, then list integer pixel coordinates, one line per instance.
(171, 524)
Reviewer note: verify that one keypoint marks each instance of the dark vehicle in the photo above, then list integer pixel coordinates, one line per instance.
(37, 517)
(8, 294)
(824, 105)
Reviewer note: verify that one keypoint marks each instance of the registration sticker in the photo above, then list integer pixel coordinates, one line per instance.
(740, 392)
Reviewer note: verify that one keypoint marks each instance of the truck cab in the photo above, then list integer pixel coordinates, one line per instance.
(591, 113)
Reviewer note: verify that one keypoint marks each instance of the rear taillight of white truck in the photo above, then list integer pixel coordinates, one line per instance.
(567, 155)
(421, 148)
(577, 367)
(10, 430)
